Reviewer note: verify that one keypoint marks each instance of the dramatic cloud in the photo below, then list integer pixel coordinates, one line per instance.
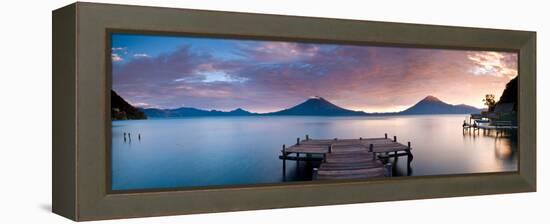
(115, 57)
(278, 52)
(494, 63)
(114, 49)
(265, 76)
(142, 55)
(117, 52)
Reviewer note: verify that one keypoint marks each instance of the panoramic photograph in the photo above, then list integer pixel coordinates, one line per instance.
(193, 111)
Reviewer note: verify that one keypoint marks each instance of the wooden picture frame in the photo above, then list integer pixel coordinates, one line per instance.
(81, 119)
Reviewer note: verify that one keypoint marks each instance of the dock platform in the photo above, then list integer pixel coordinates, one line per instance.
(499, 127)
(359, 158)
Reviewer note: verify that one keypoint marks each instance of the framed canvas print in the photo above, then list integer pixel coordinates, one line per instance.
(201, 111)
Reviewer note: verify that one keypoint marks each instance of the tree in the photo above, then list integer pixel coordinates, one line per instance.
(490, 101)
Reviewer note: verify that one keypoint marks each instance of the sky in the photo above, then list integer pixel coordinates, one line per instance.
(152, 71)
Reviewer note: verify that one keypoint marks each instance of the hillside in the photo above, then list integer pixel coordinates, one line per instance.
(510, 93)
(122, 110)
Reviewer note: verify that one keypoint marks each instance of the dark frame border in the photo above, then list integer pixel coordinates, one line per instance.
(81, 99)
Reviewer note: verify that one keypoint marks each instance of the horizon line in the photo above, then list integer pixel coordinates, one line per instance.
(316, 97)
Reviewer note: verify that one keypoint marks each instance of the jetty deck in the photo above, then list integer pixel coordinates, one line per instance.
(348, 158)
(499, 127)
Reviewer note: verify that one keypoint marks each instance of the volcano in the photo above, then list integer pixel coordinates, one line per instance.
(433, 105)
(317, 106)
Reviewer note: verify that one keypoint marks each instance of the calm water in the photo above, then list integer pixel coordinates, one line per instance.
(244, 150)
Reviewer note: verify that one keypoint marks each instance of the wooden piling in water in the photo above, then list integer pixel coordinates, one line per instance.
(284, 160)
(409, 157)
(394, 138)
(386, 135)
(371, 149)
(389, 169)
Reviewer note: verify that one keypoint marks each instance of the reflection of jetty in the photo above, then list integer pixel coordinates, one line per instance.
(348, 158)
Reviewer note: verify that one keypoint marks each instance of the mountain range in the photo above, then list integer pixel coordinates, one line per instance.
(318, 106)
(193, 112)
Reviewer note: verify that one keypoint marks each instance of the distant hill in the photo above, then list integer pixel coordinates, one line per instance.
(122, 110)
(433, 105)
(317, 106)
(192, 112)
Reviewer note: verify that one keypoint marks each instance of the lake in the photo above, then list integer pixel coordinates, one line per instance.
(210, 151)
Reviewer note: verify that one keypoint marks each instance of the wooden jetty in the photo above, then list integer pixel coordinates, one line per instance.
(348, 158)
(486, 126)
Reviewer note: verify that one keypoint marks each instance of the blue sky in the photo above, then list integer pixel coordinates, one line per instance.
(261, 76)
(153, 46)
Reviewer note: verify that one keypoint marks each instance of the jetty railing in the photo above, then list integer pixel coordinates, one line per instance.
(475, 125)
(348, 158)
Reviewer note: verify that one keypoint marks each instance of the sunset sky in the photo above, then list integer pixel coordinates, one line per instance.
(264, 76)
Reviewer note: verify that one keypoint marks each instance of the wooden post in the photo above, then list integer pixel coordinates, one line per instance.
(409, 157)
(297, 141)
(284, 161)
(329, 148)
(389, 170)
(371, 149)
(314, 175)
(360, 138)
(386, 135)
(307, 137)
(394, 138)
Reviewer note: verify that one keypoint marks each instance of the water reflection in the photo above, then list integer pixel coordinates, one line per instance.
(504, 146)
(239, 150)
